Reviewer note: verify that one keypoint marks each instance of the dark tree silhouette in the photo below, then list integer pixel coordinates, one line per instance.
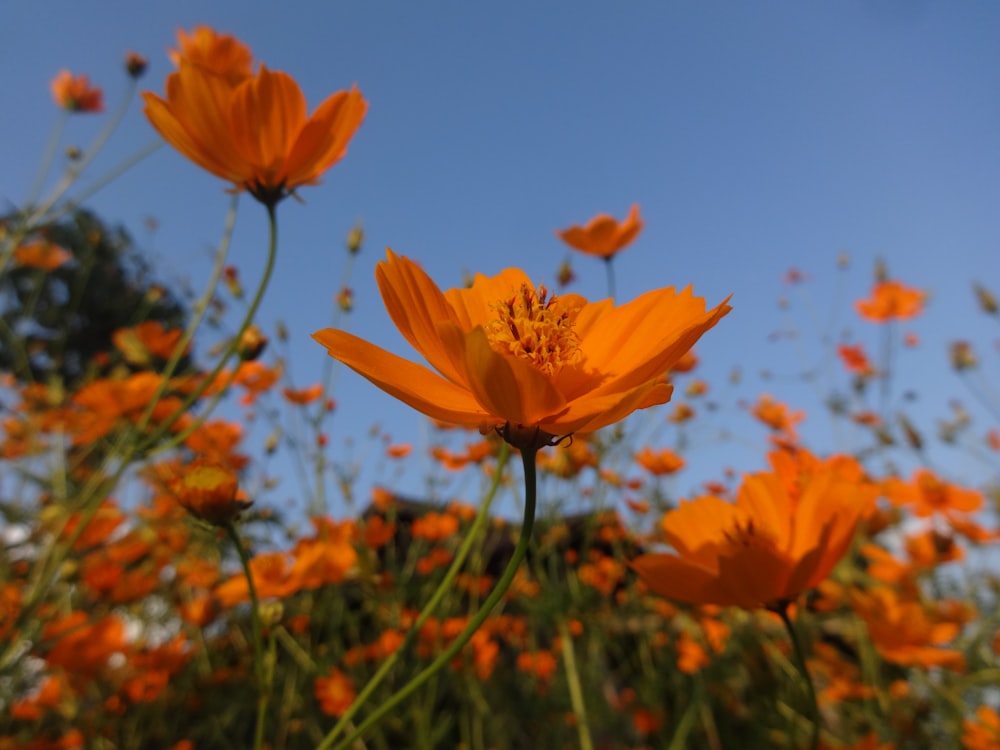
(58, 324)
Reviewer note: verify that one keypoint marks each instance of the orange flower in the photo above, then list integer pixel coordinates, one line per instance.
(855, 359)
(75, 94)
(603, 236)
(42, 255)
(221, 54)
(764, 550)
(335, 693)
(984, 732)
(926, 494)
(776, 415)
(303, 395)
(209, 492)
(519, 361)
(891, 300)
(659, 462)
(903, 631)
(254, 133)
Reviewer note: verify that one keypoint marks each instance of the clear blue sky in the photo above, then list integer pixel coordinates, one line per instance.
(755, 136)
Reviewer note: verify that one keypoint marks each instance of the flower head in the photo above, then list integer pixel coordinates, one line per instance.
(74, 93)
(765, 549)
(510, 356)
(255, 133)
(209, 491)
(604, 236)
(891, 300)
(222, 54)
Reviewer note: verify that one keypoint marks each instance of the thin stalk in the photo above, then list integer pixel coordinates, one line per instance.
(272, 251)
(88, 156)
(609, 267)
(443, 588)
(800, 662)
(528, 455)
(575, 690)
(263, 684)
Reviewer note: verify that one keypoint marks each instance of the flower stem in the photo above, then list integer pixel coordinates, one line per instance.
(609, 267)
(575, 690)
(443, 588)
(800, 662)
(263, 684)
(530, 482)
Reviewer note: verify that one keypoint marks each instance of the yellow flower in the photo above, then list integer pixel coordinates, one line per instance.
(510, 356)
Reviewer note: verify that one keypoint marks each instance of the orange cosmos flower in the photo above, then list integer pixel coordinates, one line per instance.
(254, 133)
(221, 54)
(765, 549)
(75, 94)
(659, 462)
(334, 692)
(603, 236)
(209, 491)
(45, 256)
(984, 732)
(515, 359)
(891, 300)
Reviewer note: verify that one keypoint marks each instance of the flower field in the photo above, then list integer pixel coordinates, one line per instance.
(155, 594)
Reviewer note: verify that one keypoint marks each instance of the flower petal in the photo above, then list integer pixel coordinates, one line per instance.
(324, 138)
(509, 388)
(413, 384)
(417, 306)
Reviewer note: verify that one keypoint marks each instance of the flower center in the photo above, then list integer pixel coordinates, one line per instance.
(537, 327)
(747, 534)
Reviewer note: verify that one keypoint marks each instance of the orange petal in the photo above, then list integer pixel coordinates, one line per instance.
(413, 384)
(509, 388)
(417, 306)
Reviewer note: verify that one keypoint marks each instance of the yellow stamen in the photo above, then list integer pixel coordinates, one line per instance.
(532, 325)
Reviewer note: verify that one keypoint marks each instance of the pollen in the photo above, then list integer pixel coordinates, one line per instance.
(537, 327)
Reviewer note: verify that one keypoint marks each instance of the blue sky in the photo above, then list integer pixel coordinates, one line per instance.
(755, 137)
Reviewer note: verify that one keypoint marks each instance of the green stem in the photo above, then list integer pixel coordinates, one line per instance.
(575, 690)
(263, 684)
(800, 662)
(530, 481)
(69, 178)
(443, 588)
(272, 251)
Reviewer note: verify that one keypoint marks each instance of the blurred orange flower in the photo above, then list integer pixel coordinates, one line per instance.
(659, 462)
(255, 132)
(926, 494)
(334, 692)
(765, 549)
(515, 359)
(209, 491)
(603, 236)
(984, 732)
(855, 359)
(904, 632)
(45, 256)
(75, 94)
(891, 300)
(221, 54)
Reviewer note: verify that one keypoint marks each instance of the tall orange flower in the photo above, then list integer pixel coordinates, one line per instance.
(604, 236)
(255, 133)
(513, 358)
(222, 54)
(74, 93)
(891, 300)
(765, 549)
